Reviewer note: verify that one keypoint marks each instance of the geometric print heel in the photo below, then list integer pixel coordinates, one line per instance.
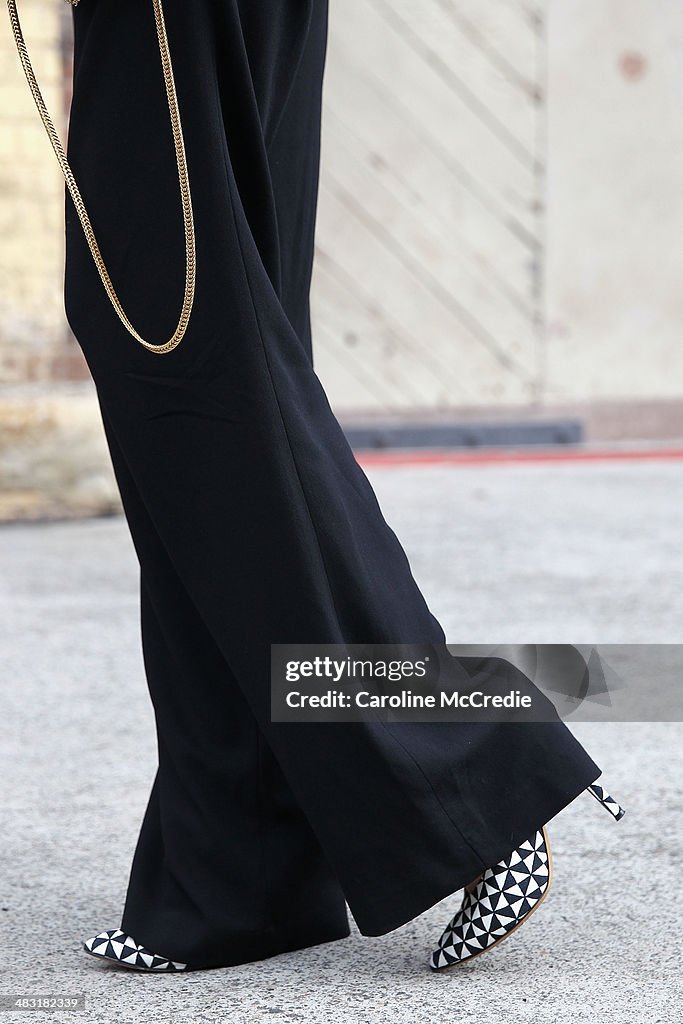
(503, 898)
(607, 801)
(119, 948)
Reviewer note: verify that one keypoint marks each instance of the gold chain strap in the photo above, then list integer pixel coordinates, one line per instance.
(188, 219)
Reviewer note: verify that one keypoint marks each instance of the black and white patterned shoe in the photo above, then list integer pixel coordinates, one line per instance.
(502, 898)
(120, 948)
(607, 801)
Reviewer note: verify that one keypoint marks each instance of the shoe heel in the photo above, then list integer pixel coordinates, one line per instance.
(607, 801)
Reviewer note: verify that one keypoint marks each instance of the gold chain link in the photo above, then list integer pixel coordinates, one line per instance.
(188, 219)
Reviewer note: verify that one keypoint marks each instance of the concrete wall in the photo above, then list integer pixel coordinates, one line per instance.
(500, 231)
(614, 256)
(427, 285)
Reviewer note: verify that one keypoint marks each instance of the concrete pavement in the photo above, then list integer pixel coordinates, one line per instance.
(546, 554)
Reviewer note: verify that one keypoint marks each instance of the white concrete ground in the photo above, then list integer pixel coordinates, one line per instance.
(570, 553)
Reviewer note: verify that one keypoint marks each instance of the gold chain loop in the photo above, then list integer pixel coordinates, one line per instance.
(188, 219)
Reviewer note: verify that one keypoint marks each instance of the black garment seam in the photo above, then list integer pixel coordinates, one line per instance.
(435, 794)
(268, 138)
(274, 390)
(310, 516)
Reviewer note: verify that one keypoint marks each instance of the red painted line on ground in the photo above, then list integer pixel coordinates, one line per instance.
(416, 457)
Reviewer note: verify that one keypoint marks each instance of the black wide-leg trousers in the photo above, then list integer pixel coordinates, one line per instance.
(251, 519)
